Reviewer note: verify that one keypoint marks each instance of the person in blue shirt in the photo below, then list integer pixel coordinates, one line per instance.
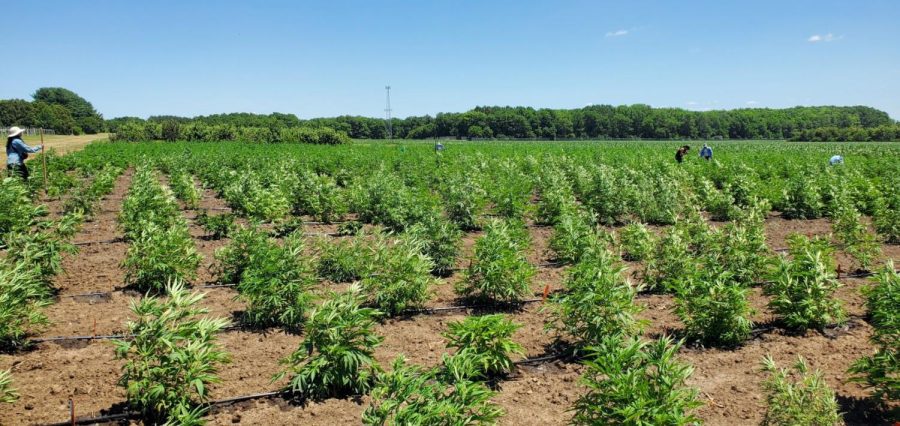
(706, 152)
(835, 160)
(17, 152)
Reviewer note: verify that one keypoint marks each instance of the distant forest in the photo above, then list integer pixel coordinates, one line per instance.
(857, 123)
(66, 112)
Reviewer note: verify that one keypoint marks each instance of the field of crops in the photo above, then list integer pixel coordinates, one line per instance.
(511, 283)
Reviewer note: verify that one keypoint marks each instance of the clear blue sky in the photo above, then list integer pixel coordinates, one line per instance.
(327, 58)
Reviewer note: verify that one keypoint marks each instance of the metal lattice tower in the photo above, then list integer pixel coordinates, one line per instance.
(387, 114)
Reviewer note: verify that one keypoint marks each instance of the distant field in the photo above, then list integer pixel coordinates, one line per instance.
(63, 143)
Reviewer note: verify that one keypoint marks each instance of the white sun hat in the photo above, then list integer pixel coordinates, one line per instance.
(15, 131)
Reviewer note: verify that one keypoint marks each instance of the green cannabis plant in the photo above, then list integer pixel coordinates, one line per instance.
(172, 358)
(336, 355)
(499, 271)
(631, 382)
(802, 286)
(798, 397)
(598, 301)
(409, 394)
(487, 338)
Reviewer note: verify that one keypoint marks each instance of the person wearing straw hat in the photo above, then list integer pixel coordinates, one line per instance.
(17, 152)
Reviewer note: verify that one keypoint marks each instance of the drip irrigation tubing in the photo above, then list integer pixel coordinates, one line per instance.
(124, 290)
(132, 414)
(241, 398)
(427, 311)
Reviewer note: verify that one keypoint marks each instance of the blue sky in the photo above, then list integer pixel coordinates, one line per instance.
(327, 58)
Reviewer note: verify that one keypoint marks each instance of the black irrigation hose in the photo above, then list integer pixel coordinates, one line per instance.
(132, 414)
(110, 293)
(427, 311)
(110, 241)
(262, 395)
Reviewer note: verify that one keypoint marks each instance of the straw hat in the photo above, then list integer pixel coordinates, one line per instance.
(14, 131)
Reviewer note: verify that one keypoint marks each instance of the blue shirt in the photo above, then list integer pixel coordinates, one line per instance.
(706, 152)
(837, 159)
(17, 151)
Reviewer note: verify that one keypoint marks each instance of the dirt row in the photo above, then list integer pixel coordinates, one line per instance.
(86, 372)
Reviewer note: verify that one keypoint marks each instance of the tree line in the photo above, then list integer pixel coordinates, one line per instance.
(596, 121)
(66, 112)
(55, 108)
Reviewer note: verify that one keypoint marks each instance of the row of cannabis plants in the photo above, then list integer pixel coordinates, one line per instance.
(34, 249)
(160, 247)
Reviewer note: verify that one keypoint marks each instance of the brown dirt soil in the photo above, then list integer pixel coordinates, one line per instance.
(728, 379)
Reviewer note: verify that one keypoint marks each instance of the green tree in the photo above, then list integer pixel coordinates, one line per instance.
(86, 117)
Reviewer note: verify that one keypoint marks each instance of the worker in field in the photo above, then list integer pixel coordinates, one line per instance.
(679, 155)
(835, 160)
(706, 152)
(17, 152)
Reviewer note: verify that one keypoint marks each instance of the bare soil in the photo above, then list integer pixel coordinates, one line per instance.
(50, 374)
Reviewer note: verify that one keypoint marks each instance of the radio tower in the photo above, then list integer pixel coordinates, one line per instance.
(387, 114)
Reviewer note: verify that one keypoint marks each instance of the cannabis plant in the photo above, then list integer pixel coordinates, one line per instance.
(856, 239)
(400, 277)
(172, 358)
(184, 187)
(575, 236)
(158, 255)
(886, 218)
(16, 209)
(276, 284)
(233, 259)
(499, 270)
(440, 241)
(670, 263)
(631, 382)
(22, 295)
(802, 199)
(557, 198)
(803, 286)
(41, 250)
(216, 226)
(881, 370)
(488, 338)
(342, 260)
(637, 242)
(598, 301)
(714, 309)
(335, 357)
(409, 395)
(8, 394)
(464, 200)
(798, 397)
(318, 196)
(510, 191)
